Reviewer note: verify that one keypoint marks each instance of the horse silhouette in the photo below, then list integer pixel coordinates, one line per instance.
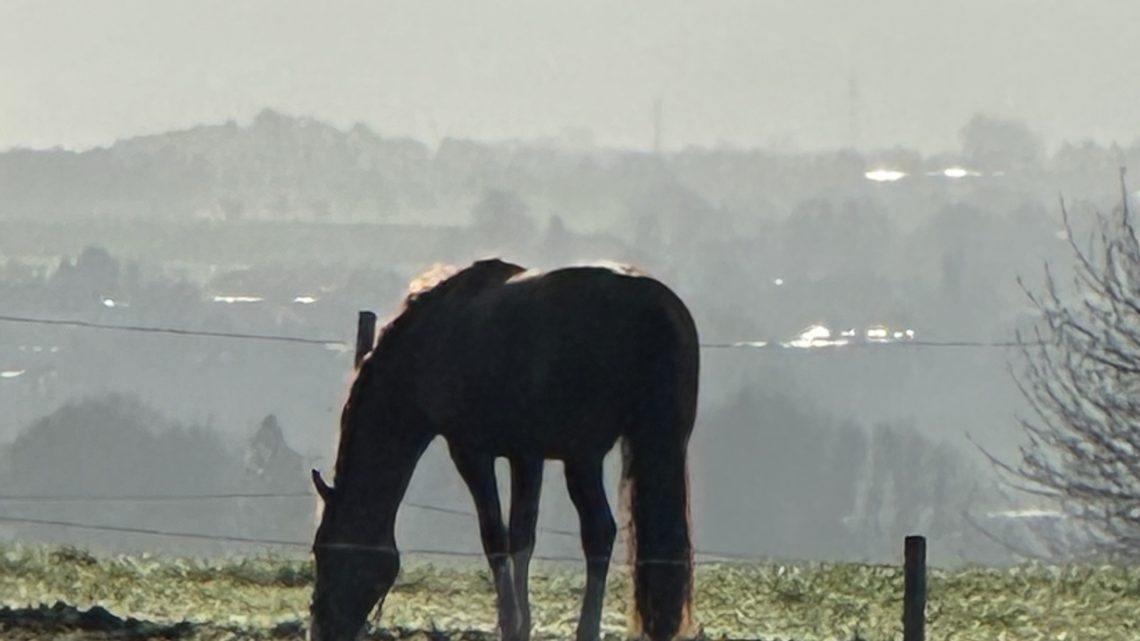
(502, 362)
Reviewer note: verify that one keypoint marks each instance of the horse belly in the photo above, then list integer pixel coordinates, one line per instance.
(568, 417)
(560, 439)
(557, 420)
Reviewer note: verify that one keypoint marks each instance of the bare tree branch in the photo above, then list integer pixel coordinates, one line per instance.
(1081, 380)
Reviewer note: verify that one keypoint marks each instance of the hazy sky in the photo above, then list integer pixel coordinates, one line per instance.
(763, 72)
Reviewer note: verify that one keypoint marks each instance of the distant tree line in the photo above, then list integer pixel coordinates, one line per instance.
(117, 446)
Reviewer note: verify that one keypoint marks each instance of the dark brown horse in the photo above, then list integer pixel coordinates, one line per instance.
(505, 364)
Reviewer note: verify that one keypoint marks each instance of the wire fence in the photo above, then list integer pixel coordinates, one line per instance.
(708, 555)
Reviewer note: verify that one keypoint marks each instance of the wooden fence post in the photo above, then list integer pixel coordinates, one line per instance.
(365, 336)
(914, 589)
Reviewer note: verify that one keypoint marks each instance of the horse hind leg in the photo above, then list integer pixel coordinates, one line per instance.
(478, 473)
(585, 484)
(526, 488)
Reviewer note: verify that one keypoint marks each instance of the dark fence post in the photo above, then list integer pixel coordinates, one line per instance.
(914, 589)
(365, 336)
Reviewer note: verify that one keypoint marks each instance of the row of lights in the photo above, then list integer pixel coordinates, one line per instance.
(820, 336)
(110, 303)
(299, 300)
(8, 374)
(892, 175)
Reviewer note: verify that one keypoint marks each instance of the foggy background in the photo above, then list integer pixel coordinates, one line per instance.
(272, 168)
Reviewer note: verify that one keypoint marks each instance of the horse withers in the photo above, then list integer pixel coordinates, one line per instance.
(530, 367)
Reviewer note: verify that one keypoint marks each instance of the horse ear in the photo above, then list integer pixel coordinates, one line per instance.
(323, 488)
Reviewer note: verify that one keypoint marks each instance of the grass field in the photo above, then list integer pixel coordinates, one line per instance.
(263, 598)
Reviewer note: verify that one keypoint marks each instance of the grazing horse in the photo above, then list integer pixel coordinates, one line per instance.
(529, 367)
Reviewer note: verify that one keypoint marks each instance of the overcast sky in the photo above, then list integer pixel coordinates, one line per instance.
(761, 72)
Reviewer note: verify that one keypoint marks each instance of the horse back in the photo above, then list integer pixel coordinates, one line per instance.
(563, 358)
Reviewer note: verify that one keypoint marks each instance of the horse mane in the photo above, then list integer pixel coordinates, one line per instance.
(438, 283)
(441, 282)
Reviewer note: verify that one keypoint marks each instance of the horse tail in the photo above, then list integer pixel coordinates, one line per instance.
(655, 483)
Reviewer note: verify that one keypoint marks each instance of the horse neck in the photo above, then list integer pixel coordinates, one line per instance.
(377, 460)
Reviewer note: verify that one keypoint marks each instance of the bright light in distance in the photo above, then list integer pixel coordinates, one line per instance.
(884, 175)
(304, 300)
(816, 336)
(883, 334)
(1027, 513)
(237, 299)
(814, 332)
(778, 282)
(958, 172)
(12, 373)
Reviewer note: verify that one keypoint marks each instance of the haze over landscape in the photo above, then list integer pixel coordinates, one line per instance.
(842, 182)
(798, 75)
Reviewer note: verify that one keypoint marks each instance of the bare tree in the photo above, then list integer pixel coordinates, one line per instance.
(1080, 374)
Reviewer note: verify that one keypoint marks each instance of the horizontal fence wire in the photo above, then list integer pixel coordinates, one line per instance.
(710, 556)
(331, 342)
(160, 498)
(50, 498)
(170, 331)
(150, 531)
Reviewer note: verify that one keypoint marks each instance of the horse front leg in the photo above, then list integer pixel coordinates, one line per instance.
(526, 488)
(478, 472)
(586, 487)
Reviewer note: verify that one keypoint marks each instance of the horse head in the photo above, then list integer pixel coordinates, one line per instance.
(356, 565)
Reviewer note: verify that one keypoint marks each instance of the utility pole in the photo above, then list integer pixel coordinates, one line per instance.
(853, 109)
(657, 127)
